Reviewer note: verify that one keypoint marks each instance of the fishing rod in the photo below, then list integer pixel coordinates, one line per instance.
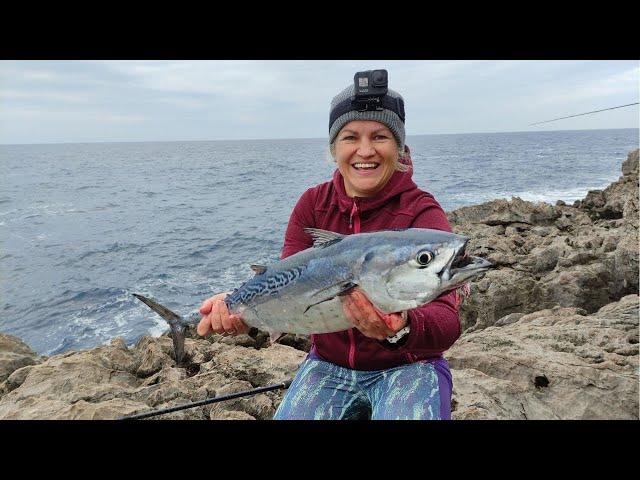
(580, 114)
(153, 413)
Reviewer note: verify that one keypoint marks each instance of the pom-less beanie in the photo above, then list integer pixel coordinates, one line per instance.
(385, 116)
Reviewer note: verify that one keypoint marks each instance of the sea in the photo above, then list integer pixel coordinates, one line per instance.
(83, 226)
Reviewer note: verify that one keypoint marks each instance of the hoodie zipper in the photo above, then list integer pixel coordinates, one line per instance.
(354, 224)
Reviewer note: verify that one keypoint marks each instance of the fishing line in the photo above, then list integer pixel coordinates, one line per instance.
(587, 113)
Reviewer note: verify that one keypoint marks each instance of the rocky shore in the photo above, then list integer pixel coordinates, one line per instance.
(551, 333)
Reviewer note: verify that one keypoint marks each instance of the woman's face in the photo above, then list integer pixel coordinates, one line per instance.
(366, 153)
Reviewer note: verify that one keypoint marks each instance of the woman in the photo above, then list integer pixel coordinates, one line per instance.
(385, 367)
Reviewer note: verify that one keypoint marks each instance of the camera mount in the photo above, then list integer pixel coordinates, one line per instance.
(370, 94)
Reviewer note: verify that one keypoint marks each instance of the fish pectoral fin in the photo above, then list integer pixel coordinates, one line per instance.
(275, 336)
(344, 289)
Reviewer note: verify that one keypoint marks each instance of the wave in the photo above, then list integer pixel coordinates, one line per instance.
(567, 195)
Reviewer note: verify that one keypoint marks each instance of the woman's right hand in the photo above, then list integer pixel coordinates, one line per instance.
(216, 318)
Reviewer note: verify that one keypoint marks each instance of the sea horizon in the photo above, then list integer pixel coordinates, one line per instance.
(307, 138)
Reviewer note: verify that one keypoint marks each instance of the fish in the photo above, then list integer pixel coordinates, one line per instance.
(396, 269)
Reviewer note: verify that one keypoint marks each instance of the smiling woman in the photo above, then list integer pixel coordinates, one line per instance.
(387, 365)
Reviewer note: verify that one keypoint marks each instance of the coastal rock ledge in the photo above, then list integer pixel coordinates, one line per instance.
(551, 333)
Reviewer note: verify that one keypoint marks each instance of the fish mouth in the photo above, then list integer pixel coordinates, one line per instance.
(463, 267)
(468, 263)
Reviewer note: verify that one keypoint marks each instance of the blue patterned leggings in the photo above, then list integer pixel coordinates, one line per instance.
(325, 391)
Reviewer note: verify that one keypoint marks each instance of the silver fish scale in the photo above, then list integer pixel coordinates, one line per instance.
(263, 285)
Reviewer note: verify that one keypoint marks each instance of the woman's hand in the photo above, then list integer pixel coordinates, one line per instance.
(216, 318)
(368, 319)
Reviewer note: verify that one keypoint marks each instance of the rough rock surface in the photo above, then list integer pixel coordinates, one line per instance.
(110, 381)
(14, 354)
(582, 256)
(552, 332)
(558, 363)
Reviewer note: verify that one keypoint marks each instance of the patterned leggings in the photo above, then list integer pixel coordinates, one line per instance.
(325, 391)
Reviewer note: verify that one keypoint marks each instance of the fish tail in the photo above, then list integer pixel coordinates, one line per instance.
(175, 321)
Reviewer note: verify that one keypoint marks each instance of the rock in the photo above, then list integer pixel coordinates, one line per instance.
(17, 378)
(505, 212)
(299, 342)
(509, 319)
(619, 199)
(155, 355)
(625, 267)
(14, 354)
(260, 406)
(500, 293)
(556, 364)
(111, 381)
(630, 165)
(584, 256)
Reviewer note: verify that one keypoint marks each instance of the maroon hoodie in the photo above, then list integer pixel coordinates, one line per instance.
(400, 204)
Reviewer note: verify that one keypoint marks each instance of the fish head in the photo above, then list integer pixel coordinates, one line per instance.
(416, 267)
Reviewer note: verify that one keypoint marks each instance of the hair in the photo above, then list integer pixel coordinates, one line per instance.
(399, 166)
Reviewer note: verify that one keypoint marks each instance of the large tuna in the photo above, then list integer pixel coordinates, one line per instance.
(397, 270)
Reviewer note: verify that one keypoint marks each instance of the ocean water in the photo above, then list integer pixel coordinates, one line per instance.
(83, 226)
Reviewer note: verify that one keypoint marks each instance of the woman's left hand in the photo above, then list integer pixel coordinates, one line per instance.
(366, 318)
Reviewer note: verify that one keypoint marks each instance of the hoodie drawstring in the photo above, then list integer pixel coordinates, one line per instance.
(354, 218)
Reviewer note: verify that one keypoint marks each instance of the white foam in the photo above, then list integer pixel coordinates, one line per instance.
(548, 196)
(159, 328)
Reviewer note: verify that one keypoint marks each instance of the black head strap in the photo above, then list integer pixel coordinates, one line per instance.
(395, 104)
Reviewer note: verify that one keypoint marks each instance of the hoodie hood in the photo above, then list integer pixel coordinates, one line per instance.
(397, 184)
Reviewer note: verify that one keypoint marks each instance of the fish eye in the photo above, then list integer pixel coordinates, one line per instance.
(424, 257)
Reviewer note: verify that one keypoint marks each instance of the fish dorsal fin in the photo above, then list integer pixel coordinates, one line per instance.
(323, 238)
(259, 269)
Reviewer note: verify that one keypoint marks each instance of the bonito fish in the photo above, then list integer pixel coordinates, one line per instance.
(396, 269)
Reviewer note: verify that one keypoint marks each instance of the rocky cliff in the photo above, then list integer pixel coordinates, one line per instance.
(551, 333)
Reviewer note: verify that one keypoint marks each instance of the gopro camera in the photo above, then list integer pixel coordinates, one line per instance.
(370, 87)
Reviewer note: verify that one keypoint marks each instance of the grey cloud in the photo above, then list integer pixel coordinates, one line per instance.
(184, 100)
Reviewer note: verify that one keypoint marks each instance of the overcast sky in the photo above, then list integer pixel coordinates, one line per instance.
(109, 101)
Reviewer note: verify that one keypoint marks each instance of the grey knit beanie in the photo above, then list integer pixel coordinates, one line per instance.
(385, 116)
